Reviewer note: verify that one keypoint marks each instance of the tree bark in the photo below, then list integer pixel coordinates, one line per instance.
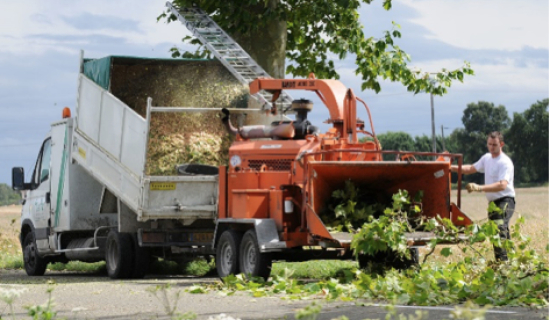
(266, 46)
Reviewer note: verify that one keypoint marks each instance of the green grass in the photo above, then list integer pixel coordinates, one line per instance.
(11, 261)
(78, 266)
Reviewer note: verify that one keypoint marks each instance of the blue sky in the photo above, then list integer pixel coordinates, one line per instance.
(506, 42)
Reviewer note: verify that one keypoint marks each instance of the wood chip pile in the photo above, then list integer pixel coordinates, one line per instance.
(176, 138)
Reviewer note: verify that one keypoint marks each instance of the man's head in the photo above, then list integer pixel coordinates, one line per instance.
(495, 142)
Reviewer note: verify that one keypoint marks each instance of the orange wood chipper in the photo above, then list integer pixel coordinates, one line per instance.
(280, 177)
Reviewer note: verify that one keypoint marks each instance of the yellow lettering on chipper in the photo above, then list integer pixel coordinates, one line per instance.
(82, 153)
(162, 186)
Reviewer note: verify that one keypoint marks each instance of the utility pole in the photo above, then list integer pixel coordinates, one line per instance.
(433, 123)
(443, 137)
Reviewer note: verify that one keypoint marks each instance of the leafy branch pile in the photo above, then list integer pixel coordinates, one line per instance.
(523, 280)
(378, 223)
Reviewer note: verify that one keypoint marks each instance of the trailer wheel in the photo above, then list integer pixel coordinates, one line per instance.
(34, 264)
(142, 259)
(227, 253)
(119, 255)
(254, 263)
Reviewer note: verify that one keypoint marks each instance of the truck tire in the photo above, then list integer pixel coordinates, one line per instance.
(142, 259)
(119, 255)
(227, 253)
(35, 265)
(252, 262)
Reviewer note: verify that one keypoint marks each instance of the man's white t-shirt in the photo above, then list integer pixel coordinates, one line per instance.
(497, 169)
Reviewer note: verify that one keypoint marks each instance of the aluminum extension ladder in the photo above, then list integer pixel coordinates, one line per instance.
(228, 52)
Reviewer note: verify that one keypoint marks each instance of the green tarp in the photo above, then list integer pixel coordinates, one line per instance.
(99, 70)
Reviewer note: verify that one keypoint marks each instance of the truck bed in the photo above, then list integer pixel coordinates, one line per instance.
(110, 143)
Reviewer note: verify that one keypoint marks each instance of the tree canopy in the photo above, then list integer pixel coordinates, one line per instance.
(525, 138)
(528, 140)
(309, 32)
(8, 196)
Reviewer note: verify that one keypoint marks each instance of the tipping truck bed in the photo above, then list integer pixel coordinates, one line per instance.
(114, 125)
(110, 143)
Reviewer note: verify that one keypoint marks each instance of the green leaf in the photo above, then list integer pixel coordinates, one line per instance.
(446, 252)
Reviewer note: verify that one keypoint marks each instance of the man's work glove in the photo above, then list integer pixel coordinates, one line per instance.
(473, 187)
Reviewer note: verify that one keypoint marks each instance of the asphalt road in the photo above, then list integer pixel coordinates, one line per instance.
(83, 296)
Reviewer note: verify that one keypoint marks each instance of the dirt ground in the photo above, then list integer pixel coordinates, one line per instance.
(531, 203)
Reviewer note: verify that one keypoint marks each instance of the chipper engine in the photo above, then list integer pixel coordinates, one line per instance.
(280, 177)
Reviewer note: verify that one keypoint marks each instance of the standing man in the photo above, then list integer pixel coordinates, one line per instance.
(498, 187)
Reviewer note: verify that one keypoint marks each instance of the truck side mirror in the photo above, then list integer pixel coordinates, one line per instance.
(18, 178)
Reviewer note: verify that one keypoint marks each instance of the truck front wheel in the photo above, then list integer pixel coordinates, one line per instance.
(253, 263)
(227, 253)
(34, 264)
(119, 255)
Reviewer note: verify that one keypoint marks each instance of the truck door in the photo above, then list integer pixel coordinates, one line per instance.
(58, 176)
(38, 198)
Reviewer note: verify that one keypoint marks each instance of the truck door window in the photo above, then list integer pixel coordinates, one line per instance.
(42, 169)
(45, 165)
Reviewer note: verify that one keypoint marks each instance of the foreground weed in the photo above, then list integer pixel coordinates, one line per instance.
(470, 311)
(392, 314)
(9, 296)
(45, 311)
(222, 316)
(310, 312)
(170, 302)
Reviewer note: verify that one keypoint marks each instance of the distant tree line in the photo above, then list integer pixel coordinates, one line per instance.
(525, 138)
(8, 196)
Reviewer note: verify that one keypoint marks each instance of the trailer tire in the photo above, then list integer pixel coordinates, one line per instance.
(35, 265)
(142, 259)
(254, 263)
(119, 255)
(227, 253)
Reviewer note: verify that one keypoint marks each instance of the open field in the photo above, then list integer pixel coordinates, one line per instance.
(532, 204)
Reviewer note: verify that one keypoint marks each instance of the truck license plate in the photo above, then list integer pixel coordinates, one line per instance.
(202, 237)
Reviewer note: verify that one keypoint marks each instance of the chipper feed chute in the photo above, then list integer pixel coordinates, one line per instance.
(380, 180)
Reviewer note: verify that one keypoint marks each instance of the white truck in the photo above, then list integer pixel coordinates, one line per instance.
(89, 197)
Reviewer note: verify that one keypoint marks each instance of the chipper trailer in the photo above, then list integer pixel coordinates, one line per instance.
(90, 198)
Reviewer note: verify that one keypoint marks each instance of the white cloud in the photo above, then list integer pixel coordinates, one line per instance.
(488, 24)
(24, 19)
(502, 76)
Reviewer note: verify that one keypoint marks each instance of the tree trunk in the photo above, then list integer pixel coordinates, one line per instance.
(266, 46)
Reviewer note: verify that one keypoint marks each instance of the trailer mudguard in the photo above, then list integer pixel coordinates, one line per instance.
(266, 232)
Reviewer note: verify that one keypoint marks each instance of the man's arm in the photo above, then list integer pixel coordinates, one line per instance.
(493, 187)
(466, 169)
